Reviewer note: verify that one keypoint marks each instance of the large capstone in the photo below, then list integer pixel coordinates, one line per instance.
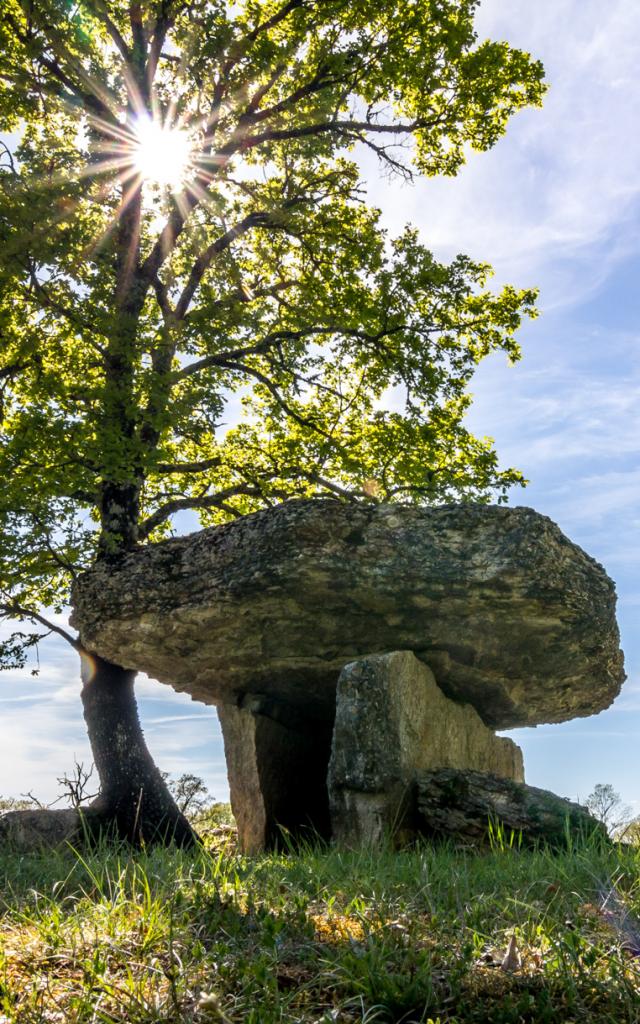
(512, 618)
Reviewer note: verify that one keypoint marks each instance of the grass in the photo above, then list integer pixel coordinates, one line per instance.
(320, 936)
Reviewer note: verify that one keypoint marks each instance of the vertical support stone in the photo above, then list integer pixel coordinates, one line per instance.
(277, 765)
(393, 722)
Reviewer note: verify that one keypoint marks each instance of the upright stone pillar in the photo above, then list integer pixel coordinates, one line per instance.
(277, 766)
(392, 723)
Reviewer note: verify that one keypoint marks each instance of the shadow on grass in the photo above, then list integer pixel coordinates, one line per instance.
(317, 936)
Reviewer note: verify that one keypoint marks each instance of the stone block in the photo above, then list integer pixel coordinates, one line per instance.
(276, 764)
(457, 804)
(392, 724)
(31, 830)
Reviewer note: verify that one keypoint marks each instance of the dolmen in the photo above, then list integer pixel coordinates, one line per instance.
(356, 651)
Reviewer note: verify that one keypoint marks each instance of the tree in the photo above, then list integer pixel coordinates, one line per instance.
(190, 793)
(606, 805)
(74, 785)
(629, 832)
(182, 226)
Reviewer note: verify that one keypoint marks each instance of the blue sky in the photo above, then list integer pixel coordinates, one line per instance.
(556, 204)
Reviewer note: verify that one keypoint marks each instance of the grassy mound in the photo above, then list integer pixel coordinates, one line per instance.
(320, 936)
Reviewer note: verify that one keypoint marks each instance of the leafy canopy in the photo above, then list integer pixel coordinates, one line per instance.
(136, 317)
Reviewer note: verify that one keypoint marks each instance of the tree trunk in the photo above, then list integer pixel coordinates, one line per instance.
(134, 798)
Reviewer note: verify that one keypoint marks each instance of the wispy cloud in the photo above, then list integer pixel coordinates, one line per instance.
(19, 700)
(171, 719)
(43, 730)
(564, 181)
(568, 416)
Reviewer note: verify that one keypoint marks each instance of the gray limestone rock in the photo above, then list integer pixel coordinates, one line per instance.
(277, 772)
(511, 616)
(460, 804)
(393, 723)
(30, 830)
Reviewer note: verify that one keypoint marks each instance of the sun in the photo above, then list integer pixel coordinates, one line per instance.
(161, 155)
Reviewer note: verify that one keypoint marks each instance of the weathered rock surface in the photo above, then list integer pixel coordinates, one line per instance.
(393, 723)
(277, 772)
(511, 616)
(460, 804)
(31, 830)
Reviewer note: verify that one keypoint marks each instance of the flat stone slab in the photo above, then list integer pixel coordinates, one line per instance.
(392, 724)
(511, 616)
(463, 805)
(277, 776)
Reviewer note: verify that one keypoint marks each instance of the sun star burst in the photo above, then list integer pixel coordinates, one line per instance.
(161, 154)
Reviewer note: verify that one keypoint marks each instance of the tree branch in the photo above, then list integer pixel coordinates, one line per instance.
(162, 296)
(257, 219)
(273, 339)
(262, 378)
(275, 19)
(166, 240)
(206, 501)
(240, 297)
(340, 127)
(223, 358)
(10, 371)
(14, 610)
(102, 13)
(260, 93)
(188, 467)
(342, 492)
(58, 307)
(138, 34)
(240, 47)
(92, 101)
(315, 85)
(5, 153)
(164, 22)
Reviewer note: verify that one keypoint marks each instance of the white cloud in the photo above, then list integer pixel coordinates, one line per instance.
(43, 730)
(19, 700)
(563, 184)
(601, 499)
(568, 416)
(557, 414)
(171, 719)
(586, 734)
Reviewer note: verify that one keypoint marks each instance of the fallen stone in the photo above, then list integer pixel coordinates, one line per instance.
(460, 805)
(393, 723)
(511, 616)
(31, 830)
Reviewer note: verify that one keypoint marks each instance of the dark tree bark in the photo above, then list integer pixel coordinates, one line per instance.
(134, 799)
